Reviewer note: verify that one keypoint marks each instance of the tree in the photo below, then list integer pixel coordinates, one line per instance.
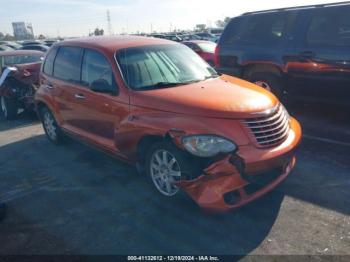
(9, 37)
(41, 37)
(98, 31)
(223, 23)
(1, 36)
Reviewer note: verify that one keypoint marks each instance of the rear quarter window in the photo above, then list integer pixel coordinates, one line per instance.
(260, 29)
(49, 60)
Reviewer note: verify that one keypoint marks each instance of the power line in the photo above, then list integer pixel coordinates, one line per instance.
(109, 24)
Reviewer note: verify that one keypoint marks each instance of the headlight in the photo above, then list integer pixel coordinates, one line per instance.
(207, 146)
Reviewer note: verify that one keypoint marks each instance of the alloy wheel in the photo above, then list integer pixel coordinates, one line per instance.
(165, 170)
(50, 126)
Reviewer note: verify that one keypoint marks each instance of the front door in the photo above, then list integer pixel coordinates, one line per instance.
(98, 108)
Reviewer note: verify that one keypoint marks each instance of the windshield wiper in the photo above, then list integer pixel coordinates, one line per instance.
(211, 76)
(160, 85)
(172, 84)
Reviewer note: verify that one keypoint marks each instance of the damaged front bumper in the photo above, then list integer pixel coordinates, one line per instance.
(239, 179)
(224, 187)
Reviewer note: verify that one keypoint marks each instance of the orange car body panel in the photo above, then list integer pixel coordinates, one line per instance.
(117, 123)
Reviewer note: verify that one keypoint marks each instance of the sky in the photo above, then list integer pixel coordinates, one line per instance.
(79, 17)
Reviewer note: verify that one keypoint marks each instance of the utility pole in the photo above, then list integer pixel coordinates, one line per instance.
(109, 24)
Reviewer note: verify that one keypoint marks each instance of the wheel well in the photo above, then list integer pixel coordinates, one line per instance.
(261, 68)
(145, 143)
(39, 107)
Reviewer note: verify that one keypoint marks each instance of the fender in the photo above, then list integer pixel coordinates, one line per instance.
(6, 73)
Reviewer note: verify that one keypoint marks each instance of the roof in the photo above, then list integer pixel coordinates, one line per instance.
(298, 8)
(113, 43)
(20, 52)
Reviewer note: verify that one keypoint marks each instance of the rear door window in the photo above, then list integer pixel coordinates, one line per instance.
(67, 64)
(329, 27)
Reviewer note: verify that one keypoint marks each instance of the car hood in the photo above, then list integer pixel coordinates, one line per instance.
(222, 97)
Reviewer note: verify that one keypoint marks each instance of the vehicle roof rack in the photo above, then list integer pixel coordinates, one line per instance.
(298, 8)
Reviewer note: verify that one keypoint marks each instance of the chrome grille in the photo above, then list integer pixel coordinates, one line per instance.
(271, 129)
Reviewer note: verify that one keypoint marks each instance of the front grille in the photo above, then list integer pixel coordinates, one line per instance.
(271, 129)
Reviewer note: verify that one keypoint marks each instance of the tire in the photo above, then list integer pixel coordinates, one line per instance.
(52, 130)
(159, 170)
(9, 108)
(270, 82)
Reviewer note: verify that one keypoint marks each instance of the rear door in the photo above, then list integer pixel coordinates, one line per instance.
(321, 68)
(66, 83)
(254, 39)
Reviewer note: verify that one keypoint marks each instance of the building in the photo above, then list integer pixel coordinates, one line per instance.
(22, 31)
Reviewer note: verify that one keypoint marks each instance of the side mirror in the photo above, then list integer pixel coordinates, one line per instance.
(101, 86)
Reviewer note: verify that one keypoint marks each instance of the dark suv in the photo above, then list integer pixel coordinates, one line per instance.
(300, 52)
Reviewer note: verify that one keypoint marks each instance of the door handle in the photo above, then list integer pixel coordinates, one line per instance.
(79, 96)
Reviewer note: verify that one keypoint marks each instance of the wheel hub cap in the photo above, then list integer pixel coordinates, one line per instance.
(50, 126)
(165, 170)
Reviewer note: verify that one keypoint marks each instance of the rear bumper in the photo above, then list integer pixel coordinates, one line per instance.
(225, 185)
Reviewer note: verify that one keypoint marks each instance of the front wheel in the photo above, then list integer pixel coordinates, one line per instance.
(9, 108)
(165, 165)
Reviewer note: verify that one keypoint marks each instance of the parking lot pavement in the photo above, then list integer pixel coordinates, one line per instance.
(71, 199)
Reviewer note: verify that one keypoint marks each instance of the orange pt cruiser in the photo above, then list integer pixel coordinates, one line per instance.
(157, 104)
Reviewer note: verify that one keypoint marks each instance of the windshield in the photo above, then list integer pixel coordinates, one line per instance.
(23, 59)
(207, 47)
(158, 66)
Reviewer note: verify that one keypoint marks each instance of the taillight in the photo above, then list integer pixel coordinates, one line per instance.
(216, 57)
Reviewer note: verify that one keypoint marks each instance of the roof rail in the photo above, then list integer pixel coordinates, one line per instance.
(298, 8)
